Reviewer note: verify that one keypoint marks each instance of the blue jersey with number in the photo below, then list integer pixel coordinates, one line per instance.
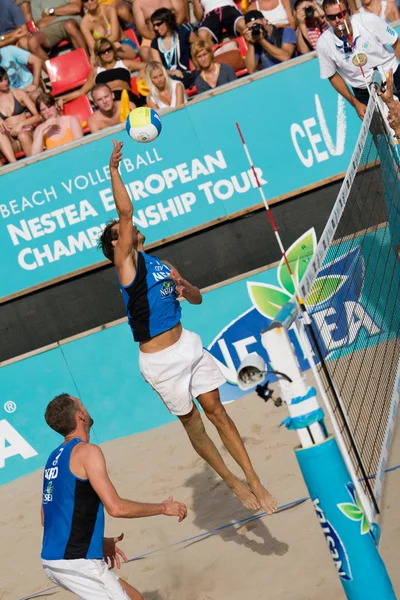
(150, 300)
(73, 512)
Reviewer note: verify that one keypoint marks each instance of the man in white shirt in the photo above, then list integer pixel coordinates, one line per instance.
(350, 49)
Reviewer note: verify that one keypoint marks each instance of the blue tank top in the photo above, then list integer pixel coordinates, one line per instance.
(73, 512)
(150, 300)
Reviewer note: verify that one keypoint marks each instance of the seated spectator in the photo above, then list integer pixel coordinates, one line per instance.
(12, 23)
(108, 110)
(212, 74)
(277, 12)
(101, 21)
(110, 69)
(57, 130)
(15, 128)
(267, 45)
(164, 91)
(15, 61)
(56, 21)
(215, 16)
(124, 9)
(142, 11)
(386, 9)
(171, 46)
(311, 22)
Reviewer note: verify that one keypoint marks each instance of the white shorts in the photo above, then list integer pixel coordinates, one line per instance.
(89, 579)
(181, 372)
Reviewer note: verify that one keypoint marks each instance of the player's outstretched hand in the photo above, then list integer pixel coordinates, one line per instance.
(181, 284)
(112, 552)
(175, 509)
(116, 154)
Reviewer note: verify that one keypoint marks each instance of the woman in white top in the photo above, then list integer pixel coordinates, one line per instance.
(277, 12)
(164, 91)
(386, 9)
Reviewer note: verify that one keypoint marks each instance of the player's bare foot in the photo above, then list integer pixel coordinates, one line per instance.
(245, 496)
(267, 501)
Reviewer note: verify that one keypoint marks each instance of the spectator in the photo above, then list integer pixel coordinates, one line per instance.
(212, 74)
(385, 9)
(171, 46)
(12, 23)
(392, 104)
(142, 11)
(57, 130)
(15, 61)
(108, 110)
(110, 69)
(368, 50)
(215, 16)
(267, 45)
(15, 128)
(311, 24)
(164, 91)
(101, 21)
(57, 21)
(277, 12)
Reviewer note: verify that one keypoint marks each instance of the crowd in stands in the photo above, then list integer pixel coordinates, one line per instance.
(155, 52)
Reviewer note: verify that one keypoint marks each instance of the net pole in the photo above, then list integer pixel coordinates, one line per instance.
(308, 323)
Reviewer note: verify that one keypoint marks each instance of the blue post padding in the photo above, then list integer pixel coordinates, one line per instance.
(312, 392)
(304, 420)
(361, 570)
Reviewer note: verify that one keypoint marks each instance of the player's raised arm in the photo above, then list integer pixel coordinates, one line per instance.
(124, 248)
(95, 466)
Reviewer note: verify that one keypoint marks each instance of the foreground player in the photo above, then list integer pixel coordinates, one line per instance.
(171, 359)
(76, 486)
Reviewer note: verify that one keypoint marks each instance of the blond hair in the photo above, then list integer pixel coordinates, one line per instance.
(155, 66)
(197, 46)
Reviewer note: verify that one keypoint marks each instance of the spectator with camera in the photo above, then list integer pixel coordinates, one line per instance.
(267, 45)
(311, 24)
(277, 12)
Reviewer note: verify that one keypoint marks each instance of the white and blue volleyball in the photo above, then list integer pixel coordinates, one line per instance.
(143, 125)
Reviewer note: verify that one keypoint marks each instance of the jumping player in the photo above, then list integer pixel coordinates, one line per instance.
(76, 488)
(171, 359)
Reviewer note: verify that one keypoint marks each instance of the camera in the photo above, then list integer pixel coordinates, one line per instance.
(256, 30)
(309, 12)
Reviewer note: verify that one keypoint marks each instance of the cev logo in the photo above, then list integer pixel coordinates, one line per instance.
(319, 145)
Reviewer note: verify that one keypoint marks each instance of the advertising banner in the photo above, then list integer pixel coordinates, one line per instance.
(196, 172)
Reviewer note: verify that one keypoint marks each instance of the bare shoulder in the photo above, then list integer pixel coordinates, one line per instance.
(85, 451)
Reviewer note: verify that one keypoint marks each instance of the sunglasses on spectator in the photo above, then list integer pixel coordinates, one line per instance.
(106, 50)
(158, 23)
(338, 15)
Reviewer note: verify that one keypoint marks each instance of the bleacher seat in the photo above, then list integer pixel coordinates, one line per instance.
(81, 108)
(242, 50)
(132, 36)
(68, 71)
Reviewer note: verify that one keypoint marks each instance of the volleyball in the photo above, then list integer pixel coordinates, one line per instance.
(143, 125)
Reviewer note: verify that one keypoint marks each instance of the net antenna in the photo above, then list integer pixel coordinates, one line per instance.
(306, 319)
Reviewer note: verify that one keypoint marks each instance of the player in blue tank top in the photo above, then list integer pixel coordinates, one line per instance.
(76, 489)
(171, 359)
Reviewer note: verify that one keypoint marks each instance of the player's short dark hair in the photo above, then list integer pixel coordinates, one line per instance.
(326, 3)
(60, 414)
(106, 239)
(165, 15)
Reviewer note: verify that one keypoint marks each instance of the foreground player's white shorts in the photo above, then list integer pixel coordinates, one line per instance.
(89, 579)
(181, 372)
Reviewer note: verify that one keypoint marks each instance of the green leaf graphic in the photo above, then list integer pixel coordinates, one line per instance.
(351, 511)
(324, 288)
(365, 526)
(267, 299)
(298, 255)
